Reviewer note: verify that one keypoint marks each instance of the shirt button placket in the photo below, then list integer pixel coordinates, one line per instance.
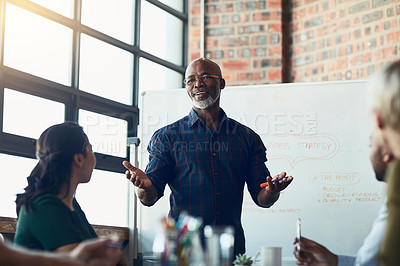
(217, 181)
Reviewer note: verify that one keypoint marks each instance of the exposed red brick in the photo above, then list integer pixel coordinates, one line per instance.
(275, 50)
(241, 76)
(194, 44)
(213, 20)
(275, 75)
(236, 64)
(229, 77)
(244, 17)
(195, 10)
(275, 27)
(227, 8)
(393, 37)
(274, 3)
(298, 14)
(364, 43)
(310, 12)
(195, 33)
(194, 55)
(211, 43)
(327, 17)
(309, 1)
(322, 31)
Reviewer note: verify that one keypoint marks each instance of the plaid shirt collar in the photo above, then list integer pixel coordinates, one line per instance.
(194, 117)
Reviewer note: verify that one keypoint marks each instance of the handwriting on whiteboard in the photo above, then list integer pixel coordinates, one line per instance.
(338, 188)
(297, 148)
(332, 178)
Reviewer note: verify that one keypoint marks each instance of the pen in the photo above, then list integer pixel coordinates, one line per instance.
(265, 184)
(298, 230)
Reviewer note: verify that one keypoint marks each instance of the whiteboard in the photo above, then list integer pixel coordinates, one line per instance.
(316, 132)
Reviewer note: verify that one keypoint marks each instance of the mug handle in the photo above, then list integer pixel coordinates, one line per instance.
(255, 258)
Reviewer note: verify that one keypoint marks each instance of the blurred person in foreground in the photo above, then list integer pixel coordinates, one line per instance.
(382, 245)
(94, 252)
(385, 106)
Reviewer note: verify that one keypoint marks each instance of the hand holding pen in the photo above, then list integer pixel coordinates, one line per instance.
(278, 183)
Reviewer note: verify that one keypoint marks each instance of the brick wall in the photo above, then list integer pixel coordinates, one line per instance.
(345, 39)
(243, 37)
(331, 39)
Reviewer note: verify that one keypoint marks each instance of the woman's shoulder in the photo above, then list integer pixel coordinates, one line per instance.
(47, 199)
(43, 206)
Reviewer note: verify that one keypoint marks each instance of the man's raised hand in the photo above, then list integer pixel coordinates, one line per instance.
(136, 176)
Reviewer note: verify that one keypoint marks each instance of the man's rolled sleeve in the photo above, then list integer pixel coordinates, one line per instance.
(158, 170)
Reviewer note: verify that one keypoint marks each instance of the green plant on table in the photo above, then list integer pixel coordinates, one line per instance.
(242, 259)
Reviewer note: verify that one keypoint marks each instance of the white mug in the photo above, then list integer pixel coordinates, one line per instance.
(270, 256)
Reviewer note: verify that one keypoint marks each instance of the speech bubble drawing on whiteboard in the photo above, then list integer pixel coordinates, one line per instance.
(298, 148)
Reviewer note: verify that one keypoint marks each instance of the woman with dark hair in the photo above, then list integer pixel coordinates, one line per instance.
(49, 217)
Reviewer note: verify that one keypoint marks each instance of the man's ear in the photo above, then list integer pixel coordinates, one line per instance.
(387, 157)
(378, 120)
(78, 159)
(222, 84)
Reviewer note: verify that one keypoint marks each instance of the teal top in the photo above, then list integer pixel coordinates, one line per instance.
(51, 224)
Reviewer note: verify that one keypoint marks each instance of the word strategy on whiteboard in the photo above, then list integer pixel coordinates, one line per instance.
(298, 148)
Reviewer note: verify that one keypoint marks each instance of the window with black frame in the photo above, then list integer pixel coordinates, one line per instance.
(85, 61)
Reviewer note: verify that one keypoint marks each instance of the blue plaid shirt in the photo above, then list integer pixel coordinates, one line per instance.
(206, 171)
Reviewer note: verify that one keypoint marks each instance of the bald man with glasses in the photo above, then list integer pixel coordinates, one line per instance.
(206, 159)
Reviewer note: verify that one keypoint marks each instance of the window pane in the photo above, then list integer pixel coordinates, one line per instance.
(161, 33)
(177, 4)
(14, 171)
(105, 198)
(116, 19)
(105, 70)
(153, 76)
(37, 45)
(39, 113)
(107, 134)
(63, 7)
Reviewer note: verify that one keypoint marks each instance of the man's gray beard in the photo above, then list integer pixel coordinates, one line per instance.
(207, 103)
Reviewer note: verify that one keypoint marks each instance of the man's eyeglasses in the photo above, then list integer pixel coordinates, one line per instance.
(203, 78)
